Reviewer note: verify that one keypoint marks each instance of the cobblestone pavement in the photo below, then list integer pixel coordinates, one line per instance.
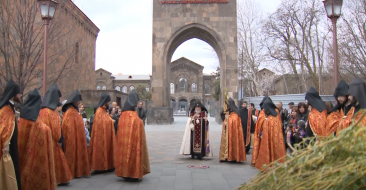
(169, 170)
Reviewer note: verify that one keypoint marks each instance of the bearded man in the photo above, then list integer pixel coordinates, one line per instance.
(341, 109)
(247, 124)
(196, 136)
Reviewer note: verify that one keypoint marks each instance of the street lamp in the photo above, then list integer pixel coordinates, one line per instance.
(333, 9)
(48, 9)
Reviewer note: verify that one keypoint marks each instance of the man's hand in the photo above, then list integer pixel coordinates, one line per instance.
(59, 144)
(6, 150)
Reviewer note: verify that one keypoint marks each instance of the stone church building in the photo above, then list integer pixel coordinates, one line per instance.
(187, 84)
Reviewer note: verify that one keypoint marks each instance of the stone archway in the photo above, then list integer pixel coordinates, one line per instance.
(173, 24)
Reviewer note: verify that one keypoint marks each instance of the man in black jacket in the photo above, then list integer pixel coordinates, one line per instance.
(283, 115)
(141, 111)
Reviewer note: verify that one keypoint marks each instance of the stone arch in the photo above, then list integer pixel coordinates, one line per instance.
(215, 24)
(187, 32)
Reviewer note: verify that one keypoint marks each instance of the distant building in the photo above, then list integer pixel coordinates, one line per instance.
(187, 84)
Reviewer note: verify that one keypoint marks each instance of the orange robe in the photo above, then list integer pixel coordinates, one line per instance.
(52, 120)
(271, 145)
(37, 167)
(132, 157)
(257, 133)
(318, 122)
(7, 126)
(333, 121)
(103, 142)
(232, 147)
(76, 151)
(358, 116)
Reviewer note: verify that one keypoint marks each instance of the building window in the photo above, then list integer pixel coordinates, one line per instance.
(182, 85)
(171, 88)
(118, 88)
(104, 88)
(147, 89)
(131, 88)
(194, 88)
(124, 89)
(207, 89)
(98, 88)
(101, 73)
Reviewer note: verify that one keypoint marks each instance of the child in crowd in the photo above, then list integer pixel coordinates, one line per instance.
(289, 137)
(300, 132)
(86, 123)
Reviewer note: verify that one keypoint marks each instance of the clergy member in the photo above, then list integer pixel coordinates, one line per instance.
(35, 147)
(103, 140)
(257, 130)
(232, 147)
(341, 109)
(132, 157)
(247, 124)
(9, 137)
(271, 142)
(197, 133)
(50, 117)
(73, 129)
(357, 91)
(317, 119)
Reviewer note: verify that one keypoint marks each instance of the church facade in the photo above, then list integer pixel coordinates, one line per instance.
(187, 84)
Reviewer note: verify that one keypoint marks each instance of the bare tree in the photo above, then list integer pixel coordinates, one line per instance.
(21, 45)
(250, 49)
(296, 34)
(352, 40)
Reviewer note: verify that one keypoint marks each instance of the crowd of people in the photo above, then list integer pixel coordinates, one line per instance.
(47, 145)
(275, 131)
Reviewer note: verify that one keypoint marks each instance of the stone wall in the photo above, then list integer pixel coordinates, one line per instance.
(92, 97)
(71, 50)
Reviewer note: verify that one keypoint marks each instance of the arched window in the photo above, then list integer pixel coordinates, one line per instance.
(104, 88)
(118, 88)
(194, 88)
(98, 88)
(182, 85)
(207, 89)
(131, 88)
(172, 88)
(124, 89)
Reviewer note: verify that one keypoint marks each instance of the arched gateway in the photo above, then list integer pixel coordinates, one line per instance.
(174, 22)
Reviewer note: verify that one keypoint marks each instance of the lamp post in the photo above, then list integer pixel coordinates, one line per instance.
(333, 9)
(48, 8)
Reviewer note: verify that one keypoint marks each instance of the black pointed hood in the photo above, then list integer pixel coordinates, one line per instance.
(269, 107)
(32, 106)
(198, 104)
(357, 89)
(312, 95)
(233, 107)
(104, 99)
(131, 101)
(74, 97)
(264, 99)
(342, 89)
(52, 98)
(11, 90)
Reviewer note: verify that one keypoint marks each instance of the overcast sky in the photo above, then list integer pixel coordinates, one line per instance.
(124, 44)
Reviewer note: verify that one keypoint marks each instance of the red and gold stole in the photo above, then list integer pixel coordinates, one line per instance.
(7, 125)
(236, 144)
(249, 123)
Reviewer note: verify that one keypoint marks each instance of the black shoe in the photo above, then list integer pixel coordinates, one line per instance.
(64, 184)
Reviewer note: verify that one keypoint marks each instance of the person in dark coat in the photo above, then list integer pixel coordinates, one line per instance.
(141, 112)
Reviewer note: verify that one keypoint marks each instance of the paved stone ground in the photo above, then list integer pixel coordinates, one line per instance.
(169, 170)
